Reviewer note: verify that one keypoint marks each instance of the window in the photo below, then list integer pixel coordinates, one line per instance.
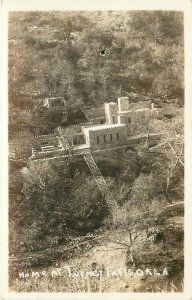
(129, 120)
(113, 120)
(97, 139)
(117, 136)
(104, 139)
(111, 137)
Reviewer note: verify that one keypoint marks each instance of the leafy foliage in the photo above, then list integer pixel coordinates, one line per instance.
(56, 53)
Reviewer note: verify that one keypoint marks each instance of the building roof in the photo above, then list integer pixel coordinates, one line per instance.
(103, 126)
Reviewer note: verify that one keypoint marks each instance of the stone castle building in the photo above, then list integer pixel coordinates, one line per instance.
(107, 127)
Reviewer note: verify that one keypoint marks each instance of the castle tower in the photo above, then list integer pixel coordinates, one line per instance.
(123, 114)
(123, 104)
(111, 113)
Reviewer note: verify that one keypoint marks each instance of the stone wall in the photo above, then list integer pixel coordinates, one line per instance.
(124, 118)
(45, 140)
(123, 104)
(137, 121)
(78, 139)
(97, 121)
(109, 137)
(49, 154)
(111, 113)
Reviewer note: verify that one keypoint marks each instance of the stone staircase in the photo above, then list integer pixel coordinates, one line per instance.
(101, 183)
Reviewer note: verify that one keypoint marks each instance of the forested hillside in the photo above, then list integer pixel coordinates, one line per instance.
(58, 54)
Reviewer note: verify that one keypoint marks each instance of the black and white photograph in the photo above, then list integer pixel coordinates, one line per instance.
(96, 151)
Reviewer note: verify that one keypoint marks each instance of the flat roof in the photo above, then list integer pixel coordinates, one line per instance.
(103, 126)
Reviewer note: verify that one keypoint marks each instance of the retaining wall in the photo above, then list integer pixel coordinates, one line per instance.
(109, 137)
